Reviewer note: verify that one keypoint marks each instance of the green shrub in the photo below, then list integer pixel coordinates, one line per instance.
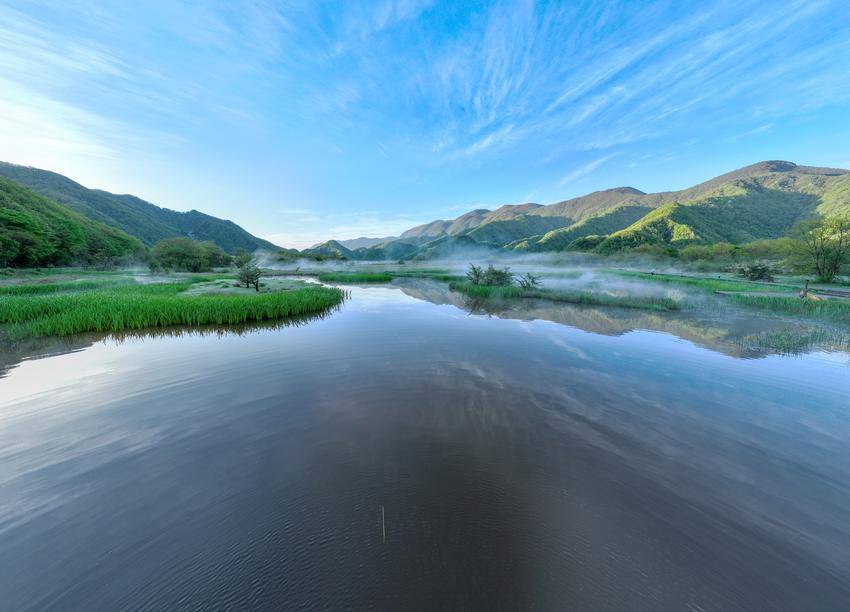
(492, 277)
(758, 271)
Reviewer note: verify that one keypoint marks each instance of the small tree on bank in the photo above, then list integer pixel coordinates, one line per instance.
(825, 245)
(248, 271)
(250, 275)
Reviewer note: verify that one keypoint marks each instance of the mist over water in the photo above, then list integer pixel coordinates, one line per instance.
(531, 455)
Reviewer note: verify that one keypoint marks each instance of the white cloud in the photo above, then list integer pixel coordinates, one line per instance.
(584, 170)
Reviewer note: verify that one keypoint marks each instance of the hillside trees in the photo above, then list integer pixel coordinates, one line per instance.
(35, 231)
(825, 245)
(186, 255)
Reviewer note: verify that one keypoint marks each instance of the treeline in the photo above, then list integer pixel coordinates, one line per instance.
(186, 255)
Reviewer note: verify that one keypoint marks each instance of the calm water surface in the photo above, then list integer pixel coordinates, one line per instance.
(404, 454)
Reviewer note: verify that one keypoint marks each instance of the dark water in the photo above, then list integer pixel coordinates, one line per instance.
(603, 461)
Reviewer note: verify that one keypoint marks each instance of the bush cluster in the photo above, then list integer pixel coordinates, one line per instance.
(186, 255)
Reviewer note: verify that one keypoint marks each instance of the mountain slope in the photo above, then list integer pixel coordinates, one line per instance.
(392, 250)
(502, 232)
(743, 210)
(601, 224)
(586, 206)
(331, 249)
(441, 227)
(133, 215)
(362, 242)
(35, 231)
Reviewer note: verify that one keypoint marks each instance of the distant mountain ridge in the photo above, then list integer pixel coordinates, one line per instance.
(361, 242)
(147, 222)
(762, 200)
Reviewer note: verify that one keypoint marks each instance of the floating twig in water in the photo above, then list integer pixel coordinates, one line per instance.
(383, 526)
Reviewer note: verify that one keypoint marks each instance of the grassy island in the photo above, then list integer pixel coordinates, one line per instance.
(572, 297)
(62, 308)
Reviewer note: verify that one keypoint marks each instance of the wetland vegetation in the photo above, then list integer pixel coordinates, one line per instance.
(571, 297)
(122, 304)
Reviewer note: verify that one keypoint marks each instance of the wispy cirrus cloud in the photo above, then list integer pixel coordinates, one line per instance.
(584, 170)
(404, 104)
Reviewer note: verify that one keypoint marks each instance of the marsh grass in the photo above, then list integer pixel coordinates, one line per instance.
(128, 307)
(836, 310)
(437, 275)
(67, 286)
(355, 277)
(709, 284)
(386, 276)
(572, 297)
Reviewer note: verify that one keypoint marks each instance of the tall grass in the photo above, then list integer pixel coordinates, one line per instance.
(66, 286)
(139, 306)
(385, 276)
(438, 275)
(572, 297)
(710, 284)
(355, 277)
(825, 310)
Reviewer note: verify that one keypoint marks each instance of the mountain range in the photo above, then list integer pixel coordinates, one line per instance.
(131, 215)
(761, 201)
(48, 218)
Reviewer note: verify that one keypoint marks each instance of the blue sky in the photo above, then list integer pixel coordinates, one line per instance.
(305, 120)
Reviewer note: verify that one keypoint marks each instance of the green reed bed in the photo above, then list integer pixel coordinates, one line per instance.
(437, 275)
(571, 297)
(709, 284)
(158, 305)
(65, 286)
(355, 277)
(836, 310)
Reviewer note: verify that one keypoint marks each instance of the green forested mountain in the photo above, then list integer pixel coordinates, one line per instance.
(34, 231)
(330, 250)
(133, 215)
(391, 250)
(764, 200)
(747, 209)
(601, 224)
(504, 231)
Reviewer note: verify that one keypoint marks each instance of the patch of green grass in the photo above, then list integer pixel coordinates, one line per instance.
(127, 307)
(355, 277)
(365, 276)
(233, 287)
(572, 297)
(437, 275)
(824, 310)
(68, 286)
(710, 284)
